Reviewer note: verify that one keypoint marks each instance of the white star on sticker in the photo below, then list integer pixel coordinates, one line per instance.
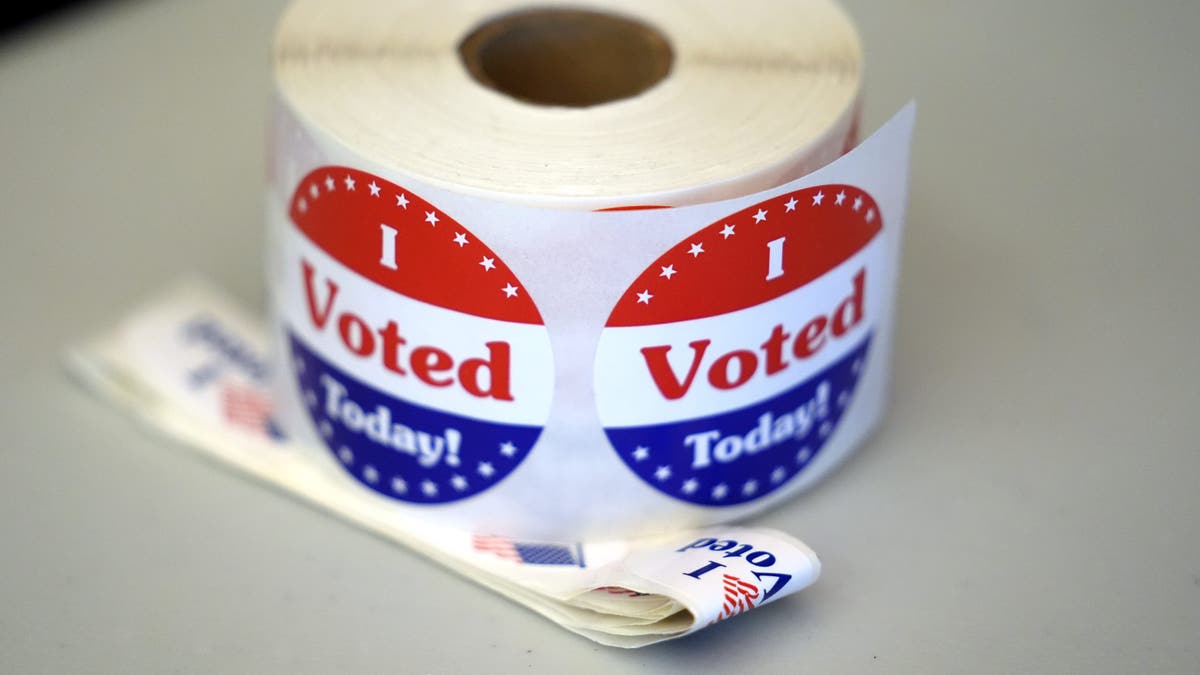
(750, 487)
(826, 427)
(458, 482)
(326, 428)
(487, 263)
(644, 297)
(371, 474)
(720, 491)
(818, 198)
(668, 271)
(696, 250)
(485, 469)
(640, 453)
(310, 397)
(760, 216)
(790, 204)
(399, 486)
(778, 474)
(346, 455)
(374, 189)
(510, 291)
(727, 231)
(856, 366)
(690, 485)
(302, 204)
(431, 218)
(508, 449)
(460, 239)
(803, 455)
(299, 364)
(840, 197)
(349, 183)
(329, 184)
(857, 203)
(429, 488)
(402, 201)
(314, 190)
(843, 399)
(870, 215)
(662, 473)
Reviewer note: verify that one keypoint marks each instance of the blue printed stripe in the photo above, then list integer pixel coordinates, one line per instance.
(743, 455)
(402, 450)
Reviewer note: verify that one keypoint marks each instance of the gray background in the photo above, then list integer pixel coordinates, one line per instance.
(1030, 505)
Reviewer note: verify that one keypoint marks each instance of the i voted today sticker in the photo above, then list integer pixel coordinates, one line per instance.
(730, 362)
(421, 360)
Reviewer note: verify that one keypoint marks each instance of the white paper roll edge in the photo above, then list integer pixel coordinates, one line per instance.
(755, 97)
(462, 336)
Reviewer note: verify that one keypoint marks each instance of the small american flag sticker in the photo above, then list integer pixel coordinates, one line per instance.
(250, 409)
(529, 553)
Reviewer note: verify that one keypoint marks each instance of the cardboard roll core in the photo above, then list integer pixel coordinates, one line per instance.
(566, 57)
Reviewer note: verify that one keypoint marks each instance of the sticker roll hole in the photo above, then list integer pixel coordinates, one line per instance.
(566, 57)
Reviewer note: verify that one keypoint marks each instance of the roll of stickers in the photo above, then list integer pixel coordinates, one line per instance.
(556, 292)
(480, 318)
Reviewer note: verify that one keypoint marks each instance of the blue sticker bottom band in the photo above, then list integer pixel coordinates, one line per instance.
(402, 450)
(740, 456)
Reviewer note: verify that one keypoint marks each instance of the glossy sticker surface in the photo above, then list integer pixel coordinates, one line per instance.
(421, 360)
(728, 364)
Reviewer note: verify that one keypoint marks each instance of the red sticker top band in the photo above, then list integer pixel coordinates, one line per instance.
(391, 236)
(755, 255)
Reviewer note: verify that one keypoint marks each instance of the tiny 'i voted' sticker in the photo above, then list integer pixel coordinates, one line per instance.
(729, 363)
(420, 359)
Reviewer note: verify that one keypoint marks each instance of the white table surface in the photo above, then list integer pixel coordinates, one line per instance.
(1031, 505)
